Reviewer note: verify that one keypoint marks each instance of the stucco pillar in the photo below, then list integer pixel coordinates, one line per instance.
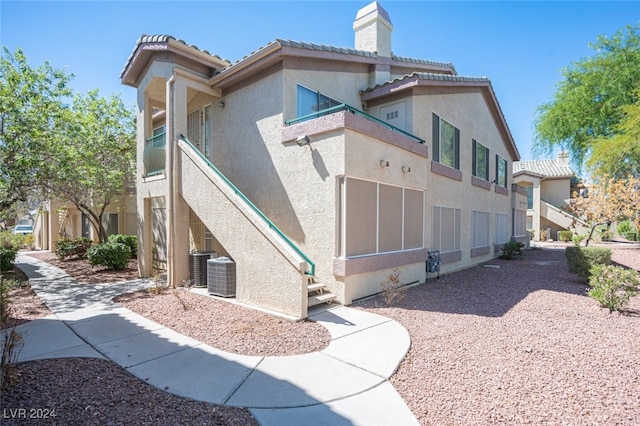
(177, 209)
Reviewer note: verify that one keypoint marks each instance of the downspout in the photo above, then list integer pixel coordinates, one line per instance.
(171, 237)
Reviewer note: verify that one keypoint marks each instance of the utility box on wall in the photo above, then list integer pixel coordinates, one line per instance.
(433, 261)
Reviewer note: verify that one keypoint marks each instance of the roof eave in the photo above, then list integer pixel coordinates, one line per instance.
(412, 81)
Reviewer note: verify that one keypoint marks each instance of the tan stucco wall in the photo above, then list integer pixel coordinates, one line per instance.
(555, 191)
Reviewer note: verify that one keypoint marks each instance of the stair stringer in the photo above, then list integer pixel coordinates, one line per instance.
(563, 218)
(269, 273)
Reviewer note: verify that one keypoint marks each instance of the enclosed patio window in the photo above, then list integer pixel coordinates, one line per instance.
(380, 218)
(310, 101)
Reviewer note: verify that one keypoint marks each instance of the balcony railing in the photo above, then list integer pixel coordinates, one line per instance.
(345, 107)
(155, 154)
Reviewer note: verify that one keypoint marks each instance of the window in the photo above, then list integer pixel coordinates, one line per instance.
(480, 229)
(520, 226)
(501, 171)
(529, 197)
(446, 143)
(379, 218)
(502, 228)
(480, 165)
(110, 223)
(199, 128)
(310, 101)
(445, 229)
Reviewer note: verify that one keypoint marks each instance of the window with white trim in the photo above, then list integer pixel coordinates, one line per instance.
(445, 229)
(446, 143)
(480, 229)
(380, 218)
(480, 161)
(502, 228)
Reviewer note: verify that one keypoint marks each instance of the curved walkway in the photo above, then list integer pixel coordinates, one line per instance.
(346, 383)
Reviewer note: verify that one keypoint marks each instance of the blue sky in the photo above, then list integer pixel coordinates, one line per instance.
(520, 46)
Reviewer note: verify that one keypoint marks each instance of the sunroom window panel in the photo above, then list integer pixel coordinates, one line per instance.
(447, 221)
(413, 219)
(390, 222)
(361, 217)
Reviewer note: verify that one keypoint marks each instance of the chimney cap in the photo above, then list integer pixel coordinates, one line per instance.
(373, 8)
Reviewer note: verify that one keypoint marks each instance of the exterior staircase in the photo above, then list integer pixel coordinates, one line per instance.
(563, 218)
(318, 294)
(244, 230)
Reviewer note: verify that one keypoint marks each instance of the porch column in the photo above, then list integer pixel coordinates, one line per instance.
(177, 209)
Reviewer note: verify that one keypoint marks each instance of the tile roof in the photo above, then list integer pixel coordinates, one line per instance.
(547, 168)
(162, 38)
(423, 62)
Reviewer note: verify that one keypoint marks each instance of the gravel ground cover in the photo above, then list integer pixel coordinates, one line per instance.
(518, 344)
(521, 344)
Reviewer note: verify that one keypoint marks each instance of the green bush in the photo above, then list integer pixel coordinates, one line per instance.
(7, 257)
(511, 250)
(10, 240)
(130, 241)
(613, 286)
(565, 235)
(77, 248)
(581, 259)
(626, 227)
(577, 239)
(110, 255)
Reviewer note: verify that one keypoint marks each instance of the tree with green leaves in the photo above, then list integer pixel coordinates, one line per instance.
(590, 104)
(31, 102)
(82, 152)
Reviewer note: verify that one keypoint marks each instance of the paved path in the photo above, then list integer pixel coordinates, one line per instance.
(344, 384)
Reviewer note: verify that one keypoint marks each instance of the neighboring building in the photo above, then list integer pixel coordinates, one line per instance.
(357, 162)
(549, 185)
(59, 219)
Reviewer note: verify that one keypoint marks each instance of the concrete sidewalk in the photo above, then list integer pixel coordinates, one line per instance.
(344, 384)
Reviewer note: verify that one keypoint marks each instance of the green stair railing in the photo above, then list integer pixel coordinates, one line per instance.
(345, 107)
(253, 207)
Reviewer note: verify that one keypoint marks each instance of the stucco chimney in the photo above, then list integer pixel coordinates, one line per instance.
(562, 159)
(373, 29)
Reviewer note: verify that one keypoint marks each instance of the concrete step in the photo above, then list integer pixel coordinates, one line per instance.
(321, 298)
(316, 287)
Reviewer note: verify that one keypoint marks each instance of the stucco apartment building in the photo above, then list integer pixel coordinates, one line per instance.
(318, 169)
(56, 219)
(550, 184)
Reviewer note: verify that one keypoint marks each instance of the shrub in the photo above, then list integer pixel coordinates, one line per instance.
(565, 235)
(110, 255)
(77, 248)
(577, 239)
(625, 227)
(10, 240)
(543, 235)
(130, 241)
(7, 257)
(581, 259)
(392, 289)
(613, 286)
(511, 250)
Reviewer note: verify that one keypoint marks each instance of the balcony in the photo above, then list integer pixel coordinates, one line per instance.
(357, 112)
(155, 154)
